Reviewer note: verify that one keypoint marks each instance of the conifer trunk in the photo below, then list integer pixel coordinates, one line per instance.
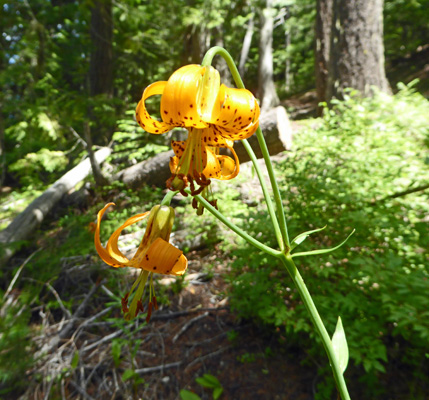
(267, 90)
(356, 56)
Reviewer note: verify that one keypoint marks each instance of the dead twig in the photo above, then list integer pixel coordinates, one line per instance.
(158, 367)
(205, 357)
(165, 316)
(187, 325)
(101, 341)
(79, 311)
(12, 282)
(81, 391)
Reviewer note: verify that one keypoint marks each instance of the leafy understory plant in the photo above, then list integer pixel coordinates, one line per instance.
(215, 116)
(207, 381)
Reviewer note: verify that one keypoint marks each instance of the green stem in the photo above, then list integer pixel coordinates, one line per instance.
(168, 197)
(234, 227)
(267, 197)
(282, 229)
(274, 185)
(318, 324)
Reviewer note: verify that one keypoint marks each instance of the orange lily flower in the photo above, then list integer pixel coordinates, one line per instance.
(154, 255)
(214, 115)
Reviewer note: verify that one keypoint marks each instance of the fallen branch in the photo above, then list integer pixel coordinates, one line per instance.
(275, 126)
(26, 223)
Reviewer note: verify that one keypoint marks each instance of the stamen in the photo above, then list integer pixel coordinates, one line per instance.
(149, 312)
(155, 303)
(124, 303)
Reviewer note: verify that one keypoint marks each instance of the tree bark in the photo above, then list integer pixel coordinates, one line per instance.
(247, 41)
(323, 45)
(101, 61)
(26, 222)
(356, 57)
(277, 131)
(267, 90)
(219, 62)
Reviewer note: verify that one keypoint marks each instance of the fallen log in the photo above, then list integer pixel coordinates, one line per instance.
(26, 222)
(275, 126)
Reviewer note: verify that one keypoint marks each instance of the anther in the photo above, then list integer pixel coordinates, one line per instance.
(149, 312)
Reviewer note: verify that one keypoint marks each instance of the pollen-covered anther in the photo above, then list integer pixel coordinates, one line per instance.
(155, 303)
(124, 303)
(194, 203)
(149, 312)
(214, 203)
(139, 307)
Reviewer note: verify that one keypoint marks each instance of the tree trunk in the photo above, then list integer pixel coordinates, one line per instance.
(323, 45)
(277, 131)
(219, 62)
(101, 61)
(26, 222)
(288, 76)
(267, 90)
(2, 151)
(356, 57)
(247, 41)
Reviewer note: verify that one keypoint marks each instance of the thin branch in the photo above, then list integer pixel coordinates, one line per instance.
(81, 391)
(205, 357)
(187, 325)
(408, 191)
(12, 283)
(158, 367)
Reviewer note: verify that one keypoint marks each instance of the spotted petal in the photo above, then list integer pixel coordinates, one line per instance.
(163, 258)
(239, 113)
(179, 99)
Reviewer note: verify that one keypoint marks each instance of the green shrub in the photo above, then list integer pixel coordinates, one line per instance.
(345, 173)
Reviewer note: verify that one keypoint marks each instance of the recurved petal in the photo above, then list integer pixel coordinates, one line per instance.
(179, 99)
(163, 258)
(112, 244)
(229, 167)
(148, 123)
(213, 168)
(102, 252)
(239, 113)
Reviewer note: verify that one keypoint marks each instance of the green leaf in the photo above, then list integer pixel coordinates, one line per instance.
(75, 360)
(302, 236)
(188, 395)
(322, 251)
(116, 352)
(217, 393)
(128, 374)
(208, 381)
(339, 342)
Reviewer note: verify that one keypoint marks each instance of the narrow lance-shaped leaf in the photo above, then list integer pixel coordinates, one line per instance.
(339, 342)
(322, 251)
(302, 236)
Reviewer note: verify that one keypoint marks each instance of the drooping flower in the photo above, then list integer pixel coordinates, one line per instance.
(154, 255)
(214, 115)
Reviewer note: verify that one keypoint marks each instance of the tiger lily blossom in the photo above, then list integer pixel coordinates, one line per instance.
(214, 116)
(154, 255)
